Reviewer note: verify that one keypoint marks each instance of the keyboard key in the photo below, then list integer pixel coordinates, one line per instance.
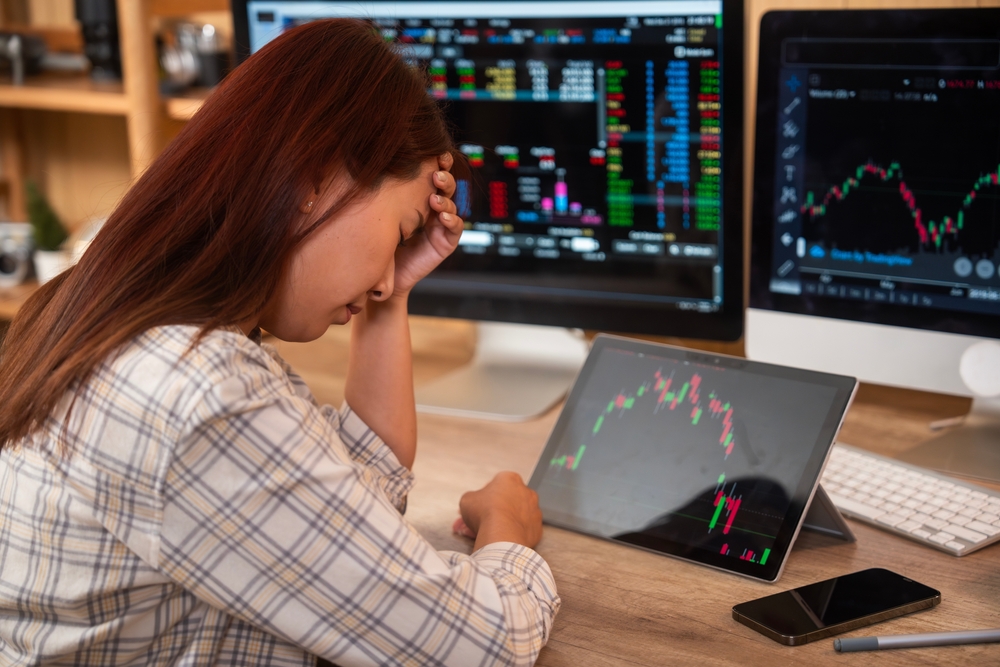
(908, 526)
(988, 518)
(936, 524)
(965, 533)
(970, 512)
(960, 520)
(854, 507)
(891, 519)
(957, 546)
(984, 528)
(921, 533)
(943, 514)
(941, 538)
(921, 517)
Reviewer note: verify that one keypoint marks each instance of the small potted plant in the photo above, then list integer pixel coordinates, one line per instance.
(50, 259)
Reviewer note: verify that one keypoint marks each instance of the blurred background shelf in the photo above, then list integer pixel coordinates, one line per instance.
(182, 107)
(77, 94)
(12, 298)
(84, 142)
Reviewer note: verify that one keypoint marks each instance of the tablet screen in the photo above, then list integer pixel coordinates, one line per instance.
(704, 456)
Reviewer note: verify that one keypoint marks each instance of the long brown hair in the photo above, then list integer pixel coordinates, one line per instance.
(203, 236)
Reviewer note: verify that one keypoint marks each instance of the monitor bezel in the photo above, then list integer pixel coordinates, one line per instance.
(723, 324)
(775, 26)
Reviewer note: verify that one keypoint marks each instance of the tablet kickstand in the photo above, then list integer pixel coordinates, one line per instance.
(824, 517)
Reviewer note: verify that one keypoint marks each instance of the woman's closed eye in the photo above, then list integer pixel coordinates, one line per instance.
(403, 238)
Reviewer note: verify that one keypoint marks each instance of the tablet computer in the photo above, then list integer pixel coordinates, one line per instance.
(701, 456)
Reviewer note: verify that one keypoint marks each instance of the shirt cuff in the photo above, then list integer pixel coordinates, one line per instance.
(523, 563)
(367, 449)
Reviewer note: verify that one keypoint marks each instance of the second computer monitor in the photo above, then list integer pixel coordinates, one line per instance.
(876, 223)
(876, 219)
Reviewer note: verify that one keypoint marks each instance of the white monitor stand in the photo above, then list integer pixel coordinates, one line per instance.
(972, 447)
(518, 373)
(901, 357)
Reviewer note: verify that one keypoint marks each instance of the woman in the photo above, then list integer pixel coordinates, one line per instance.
(170, 493)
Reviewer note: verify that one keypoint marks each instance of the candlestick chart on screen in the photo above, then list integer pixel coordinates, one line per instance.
(930, 234)
(687, 410)
(881, 191)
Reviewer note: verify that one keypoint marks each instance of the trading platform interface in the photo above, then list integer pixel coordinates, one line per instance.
(593, 131)
(696, 453)
(886, 172)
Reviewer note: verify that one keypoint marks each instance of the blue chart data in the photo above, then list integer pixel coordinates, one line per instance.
(594, 150)
(685, 452)
(595, 135)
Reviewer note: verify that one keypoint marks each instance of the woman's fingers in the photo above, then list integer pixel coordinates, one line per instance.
(459, 528)
(443, 204)
(445, 161)
(445, 182)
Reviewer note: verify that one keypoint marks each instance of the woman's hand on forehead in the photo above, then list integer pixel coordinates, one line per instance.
(442, 230)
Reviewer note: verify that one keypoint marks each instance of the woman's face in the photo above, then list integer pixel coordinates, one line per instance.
(349, 259)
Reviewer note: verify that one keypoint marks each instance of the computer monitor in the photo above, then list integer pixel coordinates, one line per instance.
(876, 213)
(605, 141)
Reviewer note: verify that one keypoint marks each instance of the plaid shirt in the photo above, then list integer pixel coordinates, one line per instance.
(209, 512)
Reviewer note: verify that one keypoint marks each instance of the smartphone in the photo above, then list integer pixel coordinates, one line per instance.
(841, 604)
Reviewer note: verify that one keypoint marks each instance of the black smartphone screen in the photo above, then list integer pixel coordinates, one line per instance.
(836, 605)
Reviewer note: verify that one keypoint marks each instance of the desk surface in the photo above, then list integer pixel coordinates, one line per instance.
(623, 606)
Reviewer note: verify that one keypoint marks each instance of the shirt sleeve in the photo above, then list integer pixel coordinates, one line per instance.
(363, 444)
(269, 517)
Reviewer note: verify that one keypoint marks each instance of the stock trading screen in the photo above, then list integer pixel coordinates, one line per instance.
(595, 142)
(886, 172)
(696, 454)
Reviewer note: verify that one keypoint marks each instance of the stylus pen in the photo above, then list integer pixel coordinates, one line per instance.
(912, 641)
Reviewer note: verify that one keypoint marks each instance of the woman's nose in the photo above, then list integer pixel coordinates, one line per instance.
(383, 288)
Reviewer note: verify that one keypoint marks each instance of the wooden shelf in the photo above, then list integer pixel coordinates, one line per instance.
(63, 93)
(182, 107)
(184, 7)
(11, 298)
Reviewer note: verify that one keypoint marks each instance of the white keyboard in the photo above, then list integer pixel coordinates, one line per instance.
(939, 511)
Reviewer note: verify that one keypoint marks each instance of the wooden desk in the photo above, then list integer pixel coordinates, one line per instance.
(623, 606)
